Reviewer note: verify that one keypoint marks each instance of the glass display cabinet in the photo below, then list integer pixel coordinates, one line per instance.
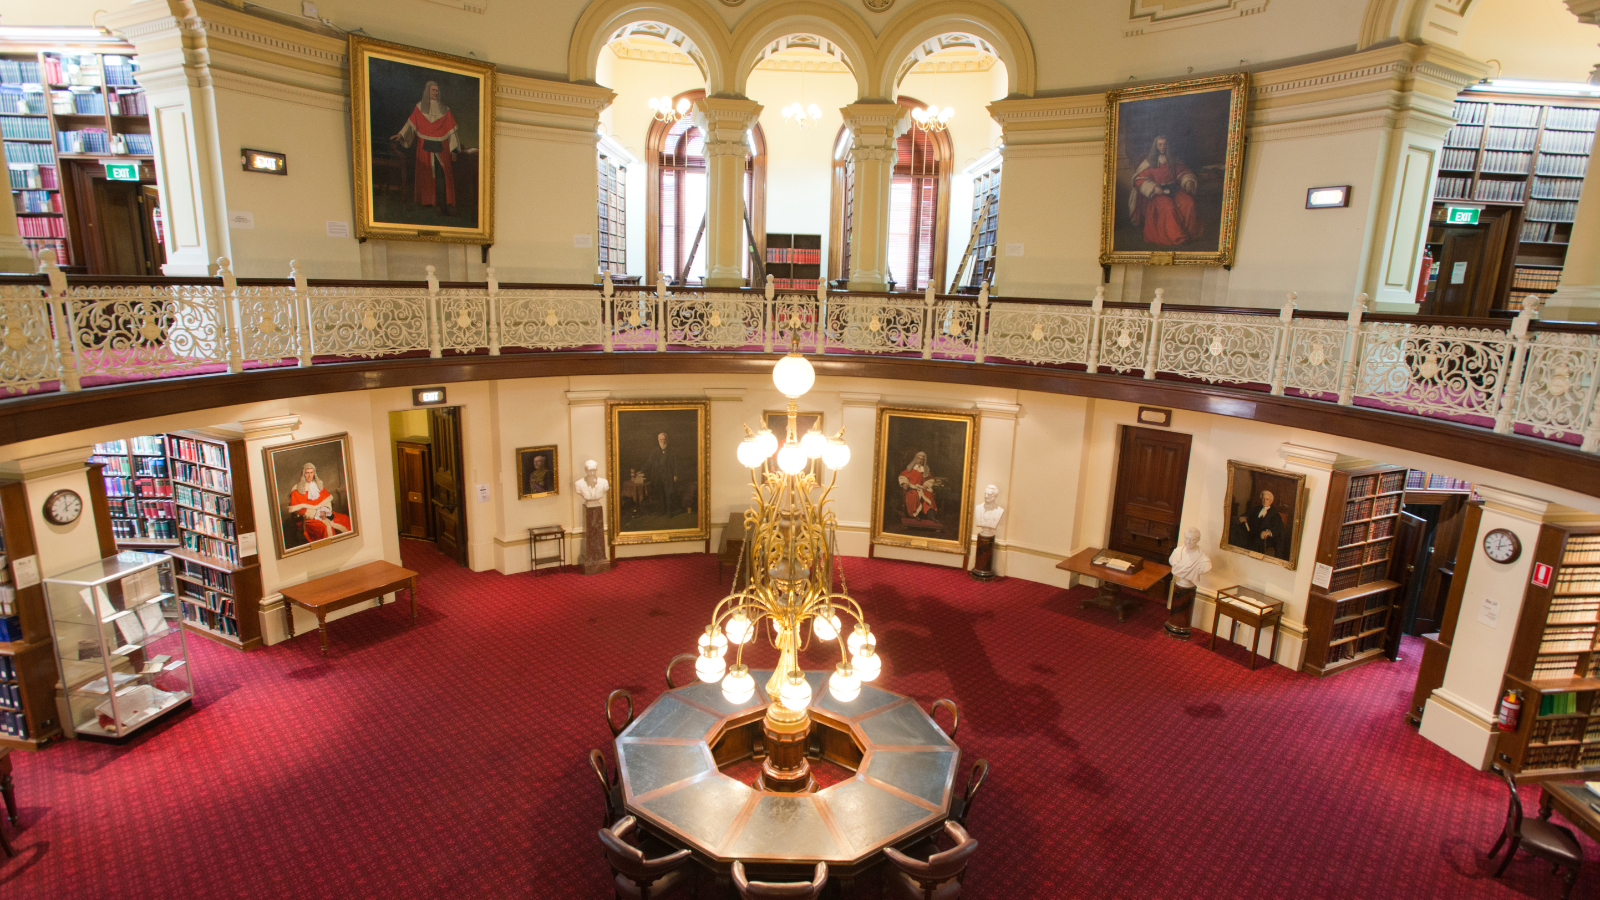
(120, 642)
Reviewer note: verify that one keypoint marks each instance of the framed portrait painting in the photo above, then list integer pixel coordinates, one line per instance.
(537, 472)
(922, 478)
(311, 493)
(1265, 513)
(422, 133)
(658, 457)
(777, 420)
(1174, 161)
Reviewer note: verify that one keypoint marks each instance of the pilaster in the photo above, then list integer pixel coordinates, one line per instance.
(727, 121)
(874, 126)
(1578, 296)
(14, 255)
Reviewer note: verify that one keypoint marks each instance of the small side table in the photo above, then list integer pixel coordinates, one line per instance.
(546, 534)
(732, 547)
(1249, 607)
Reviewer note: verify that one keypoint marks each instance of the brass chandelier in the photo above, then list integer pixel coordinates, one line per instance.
(791, 552)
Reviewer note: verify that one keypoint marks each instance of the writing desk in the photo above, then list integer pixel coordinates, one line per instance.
(1112, 582)
(330, 593)
(1571, 799)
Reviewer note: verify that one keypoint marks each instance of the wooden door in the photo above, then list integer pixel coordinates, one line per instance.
(154, 241)
(1152, 469)
(1410, 531)
(1439, 567)
(415, 472)
(449, 501)
(1463, 258)
(112, 224)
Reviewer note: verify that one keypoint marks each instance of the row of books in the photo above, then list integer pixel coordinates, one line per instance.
(118, 70)
(1506, 162)
(1552, 210)
(142, 509)
(214, 548)
(22, 152)
(212, 600)
(1558, 666)
(10, 696)
(1540, 232)
(144, 529)
(42, 226)
(20, 128)
(36, 201)
(1567, 639)
(1511, 138)
(1557, 188)
(81, 103)
(1451, 187)
(71, 68)
(194, 498)
(1562, 166)
(56, 246)
(1502, 191)
(141, 486)
(1458, 160)
(1572, 118)
(192, 450)
(18, 71)
(801, 255)
(195, 520)
(8, 603)
(1567, 611)
(1566, 142)
(31, 176)
(1582, 549)
(155, 466)
(1471, 113)
(210, 619)
(211, 578)
(84, 140)
(1562, 704)
(14, 725)
(21, 100)
(199, 476)
(129, 103)
(795, 284)
(10, 628)
(1527, 279)
(138, 144)
(1515, 115)
(8, 669)
(1468, 136)
(144, 445)
(1557, 730)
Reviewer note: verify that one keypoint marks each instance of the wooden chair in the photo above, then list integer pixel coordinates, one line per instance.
(1546, 840)
(610, 787)
(611, 700)
(938, 878)
(955, 715)
(638, 878)
(963, 804)
(673, 663)
(774, 890)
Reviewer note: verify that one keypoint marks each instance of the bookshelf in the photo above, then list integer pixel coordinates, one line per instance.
(985, 203)
(219, 589)
(794, 261)
(613, 208)
(1554, 663)
(139, 492)
(1348, 620)
(28, 716)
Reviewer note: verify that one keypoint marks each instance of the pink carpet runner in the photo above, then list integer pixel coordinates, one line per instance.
(449, 759)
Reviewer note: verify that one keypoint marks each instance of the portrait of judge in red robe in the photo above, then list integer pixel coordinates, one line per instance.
(918, 483)
(1162, 200)
(311, 504)
(431, 131)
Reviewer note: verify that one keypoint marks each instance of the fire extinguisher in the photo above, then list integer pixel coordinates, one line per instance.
(1422, 279)
(1510, 711)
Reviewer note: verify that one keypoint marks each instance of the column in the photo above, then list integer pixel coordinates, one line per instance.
(1578, 295)
(14, 255)
(997, 439)
(727, 121)
(258, 435)
(873, 129)
(852, 495)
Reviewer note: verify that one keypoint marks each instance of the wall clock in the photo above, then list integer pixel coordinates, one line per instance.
(1502, 546)
(63, 507)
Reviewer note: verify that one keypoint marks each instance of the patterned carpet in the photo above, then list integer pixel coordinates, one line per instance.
(449, 759)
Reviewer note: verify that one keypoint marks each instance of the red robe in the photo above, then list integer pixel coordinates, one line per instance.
(918, 499)
(313, 526)
(440, 130)
(1168, 219)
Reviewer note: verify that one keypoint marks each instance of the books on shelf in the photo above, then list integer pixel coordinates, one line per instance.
(42, 226)
(1565, 166)
(1459, 160)
(1566, 142)
(36, 201)
(85, 140)
(1451, 187)
(190, 473)
(192, 450)
(1582, 550)
(32, 176)
(1515, 115)
(1501, 191)
(19, 71)
(1464, 136)
(25, 128)
(22, 152)
(1540, 233)
(1552, 210)
(1470, 113)
(1557, 188)
(1505, 162)
(1511, 139)
(1572, 118)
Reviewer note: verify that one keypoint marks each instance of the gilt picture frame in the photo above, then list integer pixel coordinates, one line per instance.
(311, 493)
(1174, 168)
(924, 466)
(538, 474)
(658, 459)
(1263, 513)
(422, 144)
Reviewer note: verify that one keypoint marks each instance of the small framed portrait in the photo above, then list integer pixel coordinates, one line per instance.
(1174, 161)
(422, 134)
(313, 498)
(777, 420)
(1264, 513)
(922, 478)
(537, 472)
(658, 455)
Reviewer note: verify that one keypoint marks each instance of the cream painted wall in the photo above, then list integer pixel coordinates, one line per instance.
(1534, 39)
(800, 160)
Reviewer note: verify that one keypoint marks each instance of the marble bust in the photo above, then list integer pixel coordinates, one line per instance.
(1188, 564)
(986, 518)
(593, 489)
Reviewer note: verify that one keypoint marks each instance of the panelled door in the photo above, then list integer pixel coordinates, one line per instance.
(1439, 566)
(414, 469)
(1410, 532)
(1152, 469)
(449, 500)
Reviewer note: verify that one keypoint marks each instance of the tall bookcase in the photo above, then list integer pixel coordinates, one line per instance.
(27, 666)
(139, 492)
(1554, 663)
(612, 204)
(1348, 618)
(219, 588)
(794, 260)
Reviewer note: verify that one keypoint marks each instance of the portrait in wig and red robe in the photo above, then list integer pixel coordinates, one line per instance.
(312, 506)
(1162, 200)
(431, 130)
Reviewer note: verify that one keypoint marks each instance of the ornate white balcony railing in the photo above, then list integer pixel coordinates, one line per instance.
(60, 336)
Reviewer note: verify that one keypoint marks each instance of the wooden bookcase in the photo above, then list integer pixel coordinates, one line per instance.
(219, 589)
(794, 260)
(139, 492)
(612, 204)
(1347, 622)
(33, 659)
(1554, 655)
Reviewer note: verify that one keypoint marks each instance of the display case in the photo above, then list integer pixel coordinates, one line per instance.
(120, 644)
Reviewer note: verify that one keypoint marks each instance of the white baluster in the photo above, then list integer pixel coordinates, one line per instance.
(66, 325)
(1352, 342)
(229, 315)
(1511, 384)
(927, 322)
(492, 309)
(770, 314)
(435, 318)
(1096, 308)
(981, 339)
(1280, 365)
(607, 313)
(661, 311)
(1154, 336)
(822, 315)
(302, 303)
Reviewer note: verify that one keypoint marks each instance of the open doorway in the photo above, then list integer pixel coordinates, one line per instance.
(425, 445)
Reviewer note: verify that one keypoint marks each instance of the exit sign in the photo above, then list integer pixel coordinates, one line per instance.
(1461, 215)
(120, 171)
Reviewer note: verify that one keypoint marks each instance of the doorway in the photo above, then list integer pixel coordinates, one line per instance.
(1152, 474)
(1435, 563)
(114, 222)
(425, 445)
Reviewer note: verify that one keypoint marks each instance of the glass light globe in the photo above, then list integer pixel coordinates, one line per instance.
(769, 443)
(861, 636)
(826, 629)
(795, 694)
(793, 375)
(750, 454)
(739, 628)
(949, 112)
(710, 665)
(867, 663)
(714, 639)
(813, 444)
(837, 454)
(791, 459)
(683, 106)
(844, 684)
(816, 113)
(654, 104)
(738, 688)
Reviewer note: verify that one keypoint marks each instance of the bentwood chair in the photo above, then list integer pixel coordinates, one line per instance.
(1546, 840)
(776, 890)
(962, 807)
(638, 878)
(611, 700)
(955, 715)
(673, 663)
(937, 878)
(610, 786)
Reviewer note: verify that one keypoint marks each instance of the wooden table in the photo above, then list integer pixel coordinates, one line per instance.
(1575, 803)
(1245, 606)
(545, 534)
(1112, 582)
(330, 593)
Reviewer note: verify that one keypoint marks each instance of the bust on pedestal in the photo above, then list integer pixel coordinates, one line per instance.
(1188, 564)
(986, 519)
(592, 488)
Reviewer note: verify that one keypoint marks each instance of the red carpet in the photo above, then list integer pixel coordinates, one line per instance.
(449, 759)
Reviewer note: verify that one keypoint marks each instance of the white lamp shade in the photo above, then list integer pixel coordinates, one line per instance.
(768, 441)
(861, 636)
(796, 692)
(683, 106)
(710, 666)
(813, 444)
(791, 459)
(844, 684)
(715, 640)
(867, 664)
(825, 628)
(654, 103)
(739, 629)
(815, 111)
(793, 375)
(750, 454)
(738, 688)
(837, 454)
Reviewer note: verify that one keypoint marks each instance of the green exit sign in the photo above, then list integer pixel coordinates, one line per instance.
(118, 171)
(1461, 215)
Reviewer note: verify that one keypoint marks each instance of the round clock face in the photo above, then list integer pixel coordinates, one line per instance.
(1502, 546)
(63, 507)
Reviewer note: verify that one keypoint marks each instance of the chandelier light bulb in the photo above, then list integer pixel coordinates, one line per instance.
(710, 666)
(825, 628)
(813, 445)
(948, 114)
(769, 443)
(750, 454)
(795, 694)
(837, 454)
(738, 688)
(712, 638)
(862, 636)
(867, 664)
(793, 375)
(739, 628)
(816, 113)
(844, 684)
(683, 106)
(791, 459)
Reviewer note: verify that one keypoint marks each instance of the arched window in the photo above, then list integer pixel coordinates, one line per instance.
(844, 195)
(676, 209)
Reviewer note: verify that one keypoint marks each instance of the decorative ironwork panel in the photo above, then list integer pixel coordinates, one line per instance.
(1047, 335)
(1124, 339)
(633, 320)
(794, 315)
(874, 325)
(147, 330)
(1558, 383)
(27, 343)
(955, 329)
(464, 318)
(551, 320)
(269, 323)
(368, 321)
(1216, 347)
(1316, 355)
(716, 320)
(1434, 369)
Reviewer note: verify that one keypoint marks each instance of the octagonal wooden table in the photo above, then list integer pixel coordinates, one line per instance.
(902, 788)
